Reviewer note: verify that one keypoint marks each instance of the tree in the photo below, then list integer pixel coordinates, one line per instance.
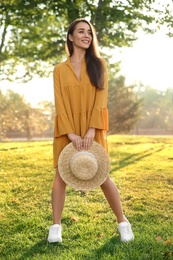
(48, 112)
(166, 109)
(33, 32)
(157, 112)
(167, 18)
(13, 113)
(123, 105)
(17, 117)
(3, 107)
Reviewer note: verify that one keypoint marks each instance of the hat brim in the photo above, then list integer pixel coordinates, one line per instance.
(102, 158)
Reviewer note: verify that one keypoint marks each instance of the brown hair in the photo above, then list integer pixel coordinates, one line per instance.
(94, 64)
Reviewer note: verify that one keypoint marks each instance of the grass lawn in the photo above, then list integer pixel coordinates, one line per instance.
(142, 168)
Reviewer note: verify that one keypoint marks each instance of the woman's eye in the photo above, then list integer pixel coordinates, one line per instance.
(89, 32)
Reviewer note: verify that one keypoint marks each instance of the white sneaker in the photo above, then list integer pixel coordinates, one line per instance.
(125, 231)
(55, 233)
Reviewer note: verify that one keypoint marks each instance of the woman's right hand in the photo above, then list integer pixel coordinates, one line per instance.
(76, 140)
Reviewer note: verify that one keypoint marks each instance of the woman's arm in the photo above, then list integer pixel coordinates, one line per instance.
(80, 143)
(76, 140)
(88, 138)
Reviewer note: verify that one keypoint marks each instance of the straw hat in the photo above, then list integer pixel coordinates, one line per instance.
(86, 169)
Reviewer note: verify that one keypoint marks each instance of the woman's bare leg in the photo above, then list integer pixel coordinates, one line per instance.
(112, 195)
(58, 198)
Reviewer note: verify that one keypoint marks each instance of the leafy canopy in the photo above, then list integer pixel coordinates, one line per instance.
(33, 32)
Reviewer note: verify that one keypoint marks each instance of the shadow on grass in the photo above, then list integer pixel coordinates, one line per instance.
(108, 249)
(132, 158)
(42, 248)
(112, 249)
(24, 147)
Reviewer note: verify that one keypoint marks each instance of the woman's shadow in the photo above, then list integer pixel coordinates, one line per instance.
(43, 247)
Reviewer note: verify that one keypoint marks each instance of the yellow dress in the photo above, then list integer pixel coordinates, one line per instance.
(78, 106)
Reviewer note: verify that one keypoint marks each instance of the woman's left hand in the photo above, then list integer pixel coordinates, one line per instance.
(88, 138)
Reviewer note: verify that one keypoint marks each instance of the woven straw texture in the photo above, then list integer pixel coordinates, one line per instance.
(84, 170)
(87, 164)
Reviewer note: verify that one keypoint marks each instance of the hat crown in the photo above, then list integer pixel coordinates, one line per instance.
(83, 165)
(95, 162)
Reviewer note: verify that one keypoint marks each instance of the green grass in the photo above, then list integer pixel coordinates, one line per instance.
(142, 168)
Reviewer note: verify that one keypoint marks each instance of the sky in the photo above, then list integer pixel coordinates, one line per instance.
(149, 61)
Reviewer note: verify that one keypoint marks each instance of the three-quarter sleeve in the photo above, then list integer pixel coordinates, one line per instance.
(62, 124)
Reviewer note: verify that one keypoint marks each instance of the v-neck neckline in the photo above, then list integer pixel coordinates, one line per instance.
(73, 69)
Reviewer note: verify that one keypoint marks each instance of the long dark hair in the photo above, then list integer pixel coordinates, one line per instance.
(94, 64)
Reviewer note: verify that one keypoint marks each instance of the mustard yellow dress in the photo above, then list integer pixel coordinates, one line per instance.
(78, 106)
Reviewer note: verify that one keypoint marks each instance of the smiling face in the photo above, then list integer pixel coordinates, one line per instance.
(82, 36)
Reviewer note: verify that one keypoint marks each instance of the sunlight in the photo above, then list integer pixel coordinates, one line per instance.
(34, 91)
(149, 61)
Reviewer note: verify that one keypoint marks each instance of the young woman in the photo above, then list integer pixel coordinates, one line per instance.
(81, 90)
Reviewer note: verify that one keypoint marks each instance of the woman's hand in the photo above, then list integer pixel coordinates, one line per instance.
(88, 138)
(76, 140)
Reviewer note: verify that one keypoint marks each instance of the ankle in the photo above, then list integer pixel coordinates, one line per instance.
(122, 219)
(56, 225)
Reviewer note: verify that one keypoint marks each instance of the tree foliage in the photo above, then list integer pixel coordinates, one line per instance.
(157, 112)
(33, 31)
(13, 112)
(123, 105)
(17, 117)
(128, 107)
(32, 41)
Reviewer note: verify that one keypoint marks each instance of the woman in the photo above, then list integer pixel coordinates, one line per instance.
(81, 90)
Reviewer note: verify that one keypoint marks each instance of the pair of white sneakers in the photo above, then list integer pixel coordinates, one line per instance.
(124, 228)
